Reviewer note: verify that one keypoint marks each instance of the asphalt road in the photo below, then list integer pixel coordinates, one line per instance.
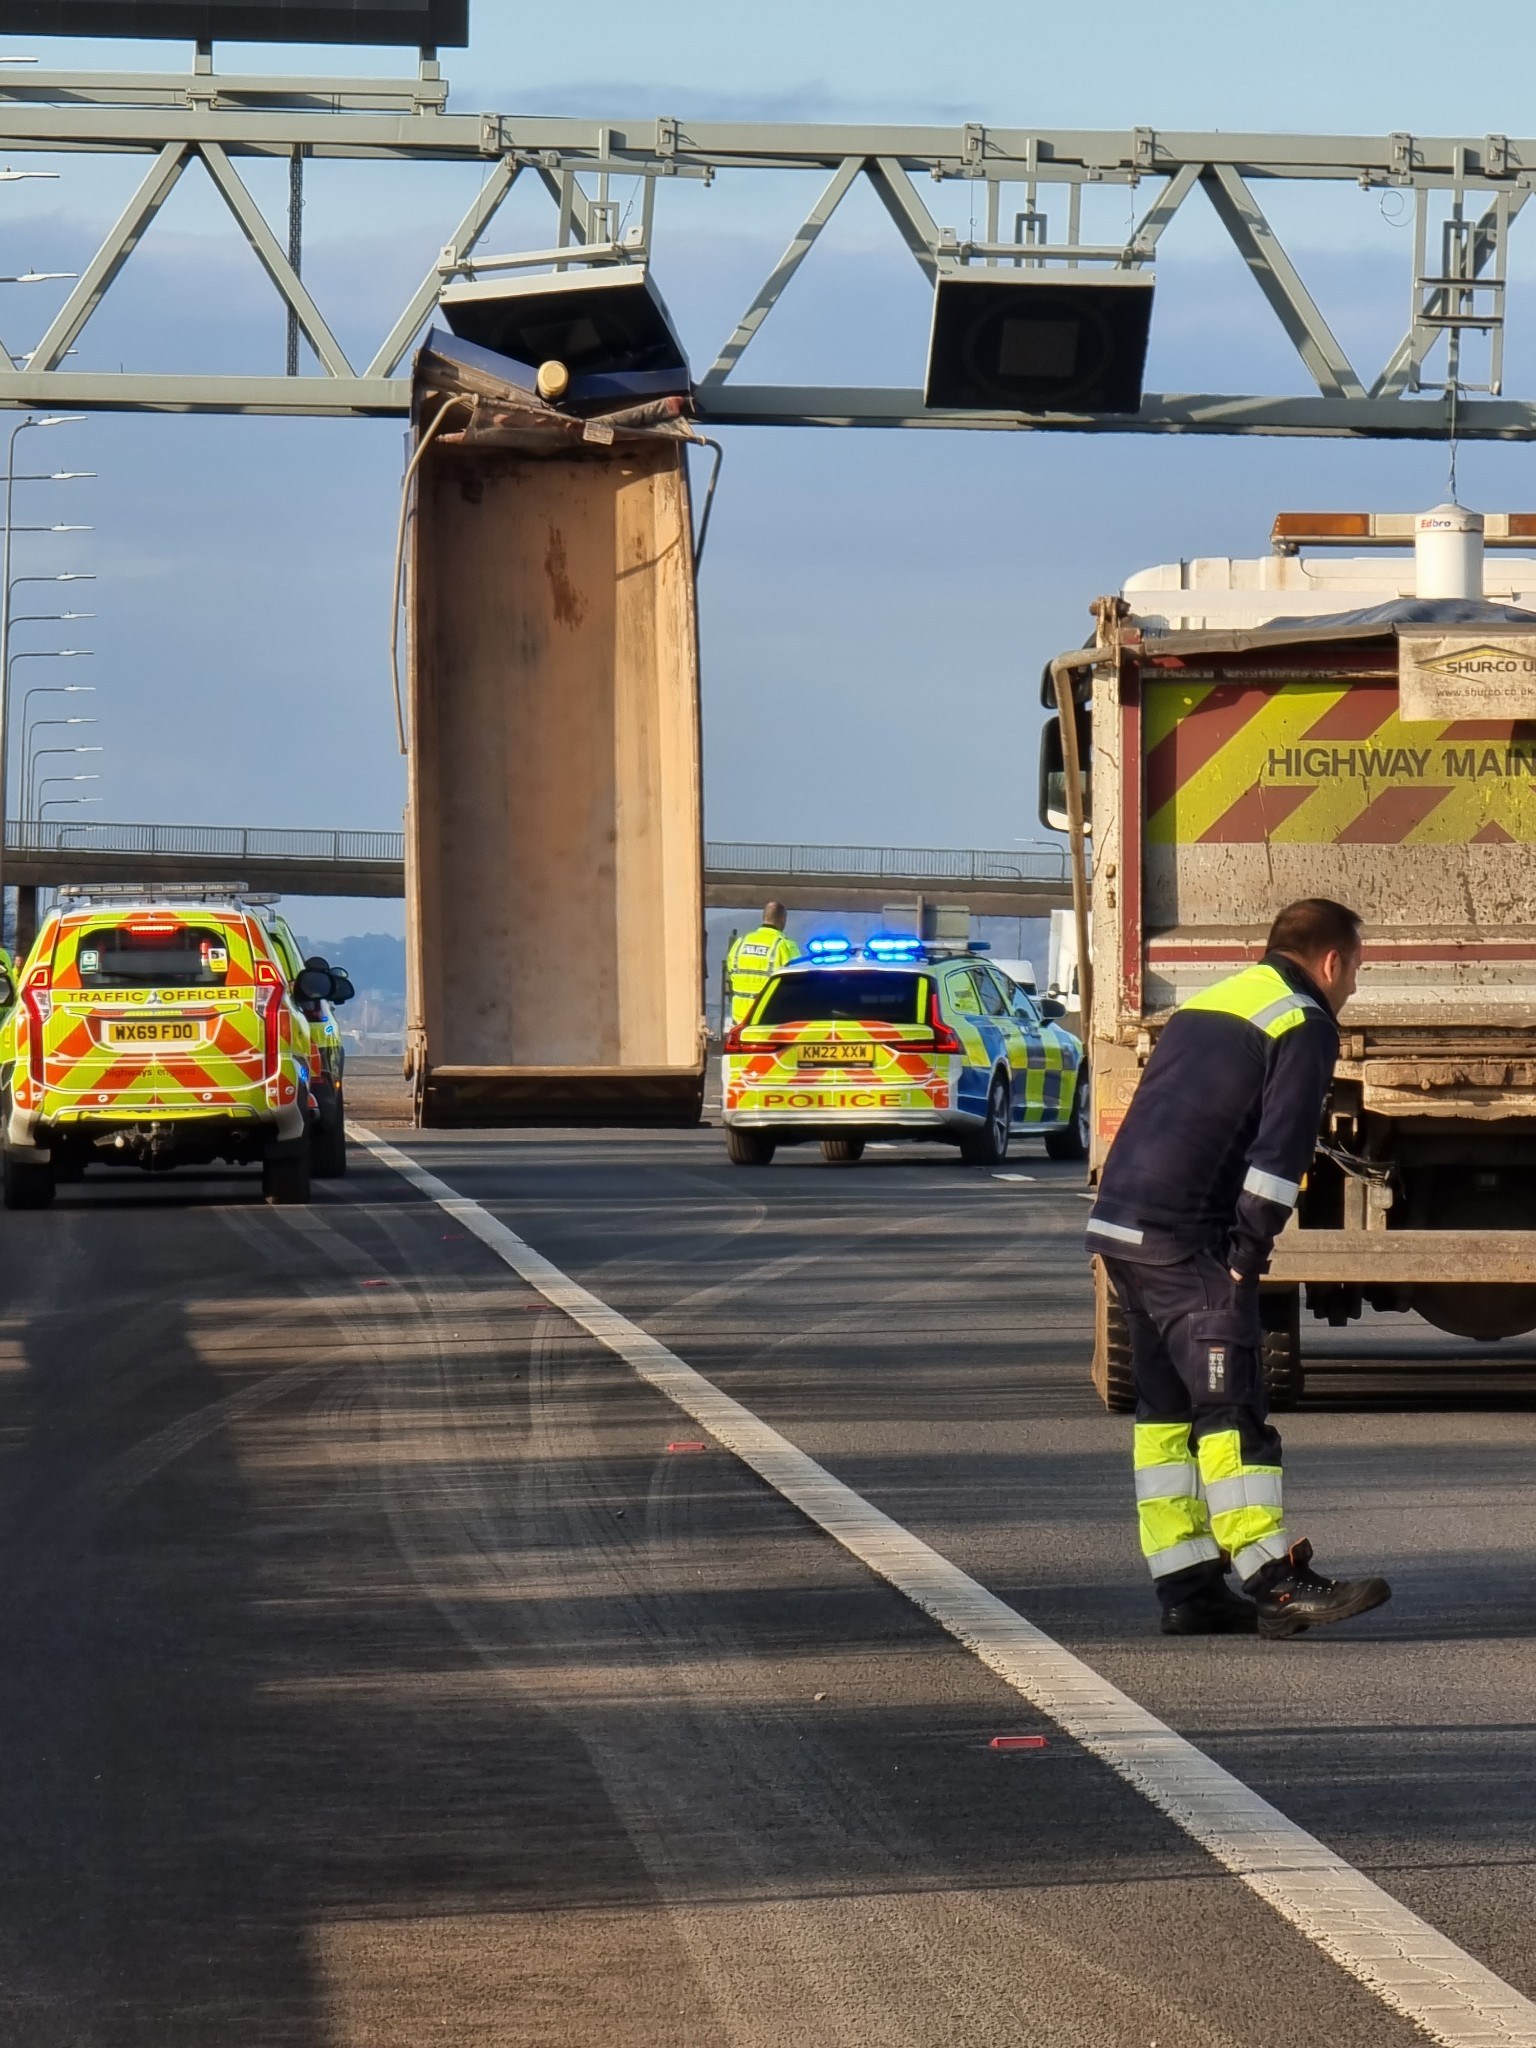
(374, 1674)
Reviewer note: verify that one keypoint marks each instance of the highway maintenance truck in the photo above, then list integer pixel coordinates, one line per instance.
(1241, 733)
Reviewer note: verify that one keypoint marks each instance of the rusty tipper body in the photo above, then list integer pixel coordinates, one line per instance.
(1251, 732)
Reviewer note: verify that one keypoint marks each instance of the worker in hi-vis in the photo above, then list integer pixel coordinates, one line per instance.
(755, 956)
(1202, 1176)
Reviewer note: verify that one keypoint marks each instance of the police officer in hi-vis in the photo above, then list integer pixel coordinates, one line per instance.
(757, 955)
(1202, 1176)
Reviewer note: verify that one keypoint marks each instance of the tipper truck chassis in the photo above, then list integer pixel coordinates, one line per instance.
(1243, 733)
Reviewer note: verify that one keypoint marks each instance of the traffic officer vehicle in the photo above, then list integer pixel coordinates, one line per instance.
(160, 1034)
(901, 1040)
(327, 1055)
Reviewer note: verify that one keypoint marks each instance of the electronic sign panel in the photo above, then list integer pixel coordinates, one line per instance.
(416, 22)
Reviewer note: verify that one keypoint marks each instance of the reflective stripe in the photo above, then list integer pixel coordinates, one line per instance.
(1168, 1482)
(1263, 1550)
(1117, 1231)
(1280, 1010)
(1258, 1489)
(1271, 1187)
(1180, 1556)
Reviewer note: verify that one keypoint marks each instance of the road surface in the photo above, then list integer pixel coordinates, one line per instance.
(375, 1674)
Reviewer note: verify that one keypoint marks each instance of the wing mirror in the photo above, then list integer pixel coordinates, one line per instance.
(1050, 1010)
(342, 990)
(313, 984)
(7, 990)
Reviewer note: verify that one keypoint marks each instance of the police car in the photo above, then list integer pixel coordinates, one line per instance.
(156, 1033)
(900, 1040)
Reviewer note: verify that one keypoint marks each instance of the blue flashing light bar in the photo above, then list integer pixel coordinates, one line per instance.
(893, 946)
(831, 947)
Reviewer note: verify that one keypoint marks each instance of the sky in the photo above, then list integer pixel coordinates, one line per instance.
(875, 607)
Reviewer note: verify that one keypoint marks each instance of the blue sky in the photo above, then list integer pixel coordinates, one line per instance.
(876, 607)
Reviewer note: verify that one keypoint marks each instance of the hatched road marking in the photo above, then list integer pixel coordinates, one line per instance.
(1407, 1963)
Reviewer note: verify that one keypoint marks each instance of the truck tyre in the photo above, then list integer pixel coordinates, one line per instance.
(1072, 1143)
(1284, 1374)
(1112, 1374)
(842, 1151)
(29, 1183)
(328, 1144)
(989, 1145)
(748, 1148)
(285, 1178)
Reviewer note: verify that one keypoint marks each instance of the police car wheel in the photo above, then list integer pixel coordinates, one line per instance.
(29, 1184)
(1072, 1143)
(285, 1179)
(842, 1151)
(328, 1144)
(748, 1148)
(989, 1145)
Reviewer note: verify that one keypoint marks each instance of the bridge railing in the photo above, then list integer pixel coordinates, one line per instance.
(227, 842)
(905, 863)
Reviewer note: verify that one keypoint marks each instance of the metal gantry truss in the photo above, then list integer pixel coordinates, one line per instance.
(1446, 373)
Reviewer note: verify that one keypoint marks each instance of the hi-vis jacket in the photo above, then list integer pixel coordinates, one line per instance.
(752, 959)
(1224, 1124)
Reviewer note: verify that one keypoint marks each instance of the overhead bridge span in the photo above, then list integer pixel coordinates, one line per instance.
(738, 874)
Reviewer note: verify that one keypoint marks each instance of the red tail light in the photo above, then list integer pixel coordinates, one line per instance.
(732, 1039)
(268, 978)
(945, 1037)
(38, 998)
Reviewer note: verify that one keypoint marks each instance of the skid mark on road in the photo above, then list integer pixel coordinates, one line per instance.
(1409, 1965)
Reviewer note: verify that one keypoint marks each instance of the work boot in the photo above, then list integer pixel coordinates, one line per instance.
(1211, 1610)
(1290, 1596)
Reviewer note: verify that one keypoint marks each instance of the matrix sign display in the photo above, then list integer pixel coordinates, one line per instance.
(416, 22)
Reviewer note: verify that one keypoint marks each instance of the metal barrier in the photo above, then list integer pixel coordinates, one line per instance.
(228, 842)
(906, 864)
(900, 863)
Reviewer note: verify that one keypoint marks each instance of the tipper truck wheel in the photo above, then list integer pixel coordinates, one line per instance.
(29, 1184)
(1284, 1375)
(1112, 1374)
(748, 1148)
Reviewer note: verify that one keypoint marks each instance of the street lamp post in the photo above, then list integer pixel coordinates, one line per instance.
(50, 690)
(53, 419)
(29, 755)
(32, 654)
(53, 802)
(49, 753)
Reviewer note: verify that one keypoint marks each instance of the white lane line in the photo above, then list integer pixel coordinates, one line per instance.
(1013, 1176)
(1407, 1963)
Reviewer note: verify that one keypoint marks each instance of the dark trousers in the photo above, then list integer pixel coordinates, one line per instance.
(1207, 1459)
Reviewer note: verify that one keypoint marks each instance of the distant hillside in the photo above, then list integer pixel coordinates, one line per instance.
(374, 960)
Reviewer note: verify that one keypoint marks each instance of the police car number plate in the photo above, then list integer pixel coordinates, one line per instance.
(837, 1055)
(157, 1031)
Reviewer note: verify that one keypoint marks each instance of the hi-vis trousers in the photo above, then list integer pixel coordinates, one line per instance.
(1207, 1462)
